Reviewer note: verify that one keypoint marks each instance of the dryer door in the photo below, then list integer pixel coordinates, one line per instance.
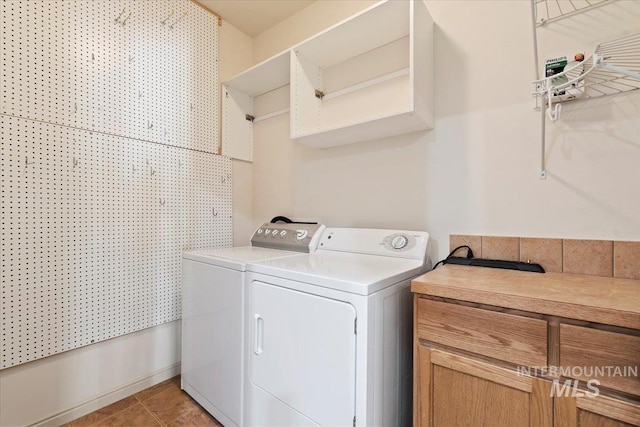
(304, 353)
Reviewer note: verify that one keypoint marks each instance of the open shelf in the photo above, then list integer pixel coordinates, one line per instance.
(237, 103)
(264, 77)
(372, 128)
(376, 26)
(346, 89)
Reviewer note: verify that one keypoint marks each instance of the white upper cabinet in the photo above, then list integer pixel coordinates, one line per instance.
(368, 77)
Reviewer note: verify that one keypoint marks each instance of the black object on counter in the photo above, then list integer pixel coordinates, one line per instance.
(494, 263)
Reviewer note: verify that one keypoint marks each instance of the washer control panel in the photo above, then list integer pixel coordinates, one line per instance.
(292, 237)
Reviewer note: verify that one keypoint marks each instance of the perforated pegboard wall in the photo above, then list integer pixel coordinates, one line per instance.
(107, 175)
(93, 227)
(142, 69)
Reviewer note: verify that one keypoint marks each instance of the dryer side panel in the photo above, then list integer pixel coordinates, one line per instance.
(212, 337)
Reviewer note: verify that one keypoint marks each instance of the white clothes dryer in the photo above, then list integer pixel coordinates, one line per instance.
(329, 334)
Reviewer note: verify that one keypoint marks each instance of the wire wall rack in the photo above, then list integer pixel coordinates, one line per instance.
(613, 67)
(547, 11)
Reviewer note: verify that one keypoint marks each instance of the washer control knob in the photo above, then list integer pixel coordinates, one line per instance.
(260, 231)
(301, 234)
(274, 233)
(399, 242)
(283, 233)
(267, 232)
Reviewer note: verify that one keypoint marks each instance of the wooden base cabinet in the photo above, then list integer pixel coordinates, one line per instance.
(502, 348)
(455, 390)
(598, 411)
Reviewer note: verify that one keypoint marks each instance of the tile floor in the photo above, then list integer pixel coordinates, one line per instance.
(163, 404)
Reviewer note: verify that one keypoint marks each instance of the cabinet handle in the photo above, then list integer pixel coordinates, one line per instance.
(258, 347)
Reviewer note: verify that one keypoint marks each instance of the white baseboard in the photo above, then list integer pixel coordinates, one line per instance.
(109, 397)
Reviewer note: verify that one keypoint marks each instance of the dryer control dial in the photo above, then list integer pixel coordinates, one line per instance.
(301, 234)
(399, 242)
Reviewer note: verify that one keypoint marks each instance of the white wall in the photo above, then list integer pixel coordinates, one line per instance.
(304, 24)
(483, 165)
(60, 388)
(65, 386)
(477, 171)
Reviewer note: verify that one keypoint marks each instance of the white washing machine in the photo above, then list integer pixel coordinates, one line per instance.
(329, 334)
(212, 314)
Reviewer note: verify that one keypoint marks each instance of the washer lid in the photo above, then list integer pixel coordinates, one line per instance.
(235, 258)
(354, 273)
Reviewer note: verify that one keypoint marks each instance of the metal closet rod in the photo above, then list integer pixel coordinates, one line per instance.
(363, 85)
(270, 115)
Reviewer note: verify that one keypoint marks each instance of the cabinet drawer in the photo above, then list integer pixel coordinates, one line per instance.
(582, 349)
(515, 339)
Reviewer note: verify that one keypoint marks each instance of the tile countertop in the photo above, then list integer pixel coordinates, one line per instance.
(604, 300)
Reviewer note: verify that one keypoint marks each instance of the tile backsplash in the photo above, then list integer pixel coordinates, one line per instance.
(506, 248)
(591, 257)
(474, 242)
(546, 252)
(626, 259)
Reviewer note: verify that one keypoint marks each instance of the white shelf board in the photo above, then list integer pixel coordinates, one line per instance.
(376, 26)
(381, 127)
(263, 77)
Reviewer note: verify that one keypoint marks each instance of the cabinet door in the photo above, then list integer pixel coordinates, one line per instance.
(598, 411)
(455, 390)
